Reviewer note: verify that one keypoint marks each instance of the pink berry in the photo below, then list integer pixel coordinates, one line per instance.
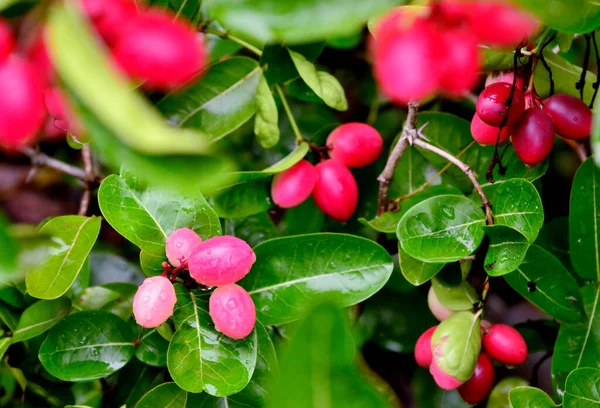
(492, 104)
(461, 61)
(37, 53)
(505, 344)
(533, 136)
(437, 309)
(355, 144)
(294, 185)
(232, 311)
(423, 354)
(22, 110)
(180, 244)
(481, 383)
(485, 134)
(220, 261)
(58, 109)
(162, 51)
(572, 118)
(443, 380)
(501, 24)
(7, 40)
(109, 16)
(336, 191)
(154, 301)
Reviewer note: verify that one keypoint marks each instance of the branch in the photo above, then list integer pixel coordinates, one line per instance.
(88, 168)
(289, 114)
(386, 176)
(418, 141)
(40, 159)
(578, 148)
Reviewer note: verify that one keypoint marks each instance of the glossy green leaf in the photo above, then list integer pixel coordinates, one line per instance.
(457, 341)
(345, 268)
(584, 221)
(243, 200)
(578, 346)
(455, 297)
(415, 271)
(4, 345)
(222, 100)
(500, 393)
(108, 267)
(152, 349)
(517, 204)
(564, 74)
(88, 394)
(72, 239)
(583, 388)
(530, 397)
(8, 251)
(135, 380)
(572, 16)
(95, 298)
(41, 316)
(513, 168)
(294, 157)
(200, 358)
(87, 345)
(554, 293)
(266, 122)
(444, 228)
(165, 395)
(553, 239)
(278, 65)
(297, 21)
(12, 297)
(77, 56)
(9, 316)
(506, 251)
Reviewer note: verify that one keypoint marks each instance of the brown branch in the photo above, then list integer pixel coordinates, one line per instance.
(578, 148)
(40, 159)
(387, 175)
(88, 168)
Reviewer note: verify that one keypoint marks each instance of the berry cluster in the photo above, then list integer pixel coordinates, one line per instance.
(500, 342)
(504, 111)
(332, 185)
(147, 44)
(218, 261)
(409, 43)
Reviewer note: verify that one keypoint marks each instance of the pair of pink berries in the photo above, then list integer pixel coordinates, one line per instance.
(501, 342)
(330, 182)
(219, 261)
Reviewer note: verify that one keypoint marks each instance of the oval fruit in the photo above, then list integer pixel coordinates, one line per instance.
(294, 185)
(443, 380)
(505, 344)
(7, 40)
(572, 118)
(491, 104)
(336, 191)
(180, 244)
(355, 144)
(423, 353)
(461, 61)
(501, 24)
(533, 136)
(109, 16)
(232, 311)
(154, 301)
(480, 385)
(485, 134)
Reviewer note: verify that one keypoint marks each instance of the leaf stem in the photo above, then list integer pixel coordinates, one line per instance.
(288, 112)
(235, 39)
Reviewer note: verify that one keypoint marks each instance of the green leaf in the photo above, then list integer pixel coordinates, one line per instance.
(455, 297)
(578, 346)
(417, 272)
(77, 57)
(9, 316)
(202, 359)
(8, 251)
(564, 74)
(134, 380)
(294, 157)
(72, 239)
(583, 389)
(220, 102)
(584, 221)
(412, 172)
(243, 200)
(152, 349)
(325, 85)
(345, 268)
(553, 239)
(278, 65)
(4, 345)
(514, 168)
(88, 394)
(572, 16)
(298, 21)
(427, 394)
(506, 251)
(530, 397)
(165, 395)
(517, 204)
(95, 298)
(444, 228)
(41, 316)
(318, 367)
(554, 293)
(457, 341)
(266, 127)
(87, 345)
(107, 267)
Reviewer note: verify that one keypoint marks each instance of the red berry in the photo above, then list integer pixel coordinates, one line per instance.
(572, 118)
(154, 301)
(480, 384)
(37, 54)
(423, 354)
(506, 77)
(443, 380)
(533, 136)
(335, 192)
(491, 104)
(294, 185)
(22, 111)
(355, 144)
(162, 51)
(61, 112)
(461, 61)
(505, 344)
(180, 245)
(232, 311)
(406, 57)
(109, 16)
(501, 24)
(485, 134)
(7, 40)
(220, 261)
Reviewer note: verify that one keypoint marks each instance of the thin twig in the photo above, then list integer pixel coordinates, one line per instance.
(88, 168)
(386, 176)
(235, 39)
(40, 159)
(578, 148)
(289, 114)
(418, 141)
(596, 84)
(586, 62)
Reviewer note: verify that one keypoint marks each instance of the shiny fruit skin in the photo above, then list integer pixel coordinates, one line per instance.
(572, 118)
(423, 353)
(481, 383)
(505, 344)
(7, 40)
(507, 77)
(437, 309)
(220, 261)
(485, 134)
(533, 136)
(354, 144)
(443, 380)
(22, 107)
(461, 61)
(109, 16)
(491, 106)
(180, 245)
(336, 191)
(154, 301)
(232, 311)
(159, 50)
(294, 185)
(501, 24)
